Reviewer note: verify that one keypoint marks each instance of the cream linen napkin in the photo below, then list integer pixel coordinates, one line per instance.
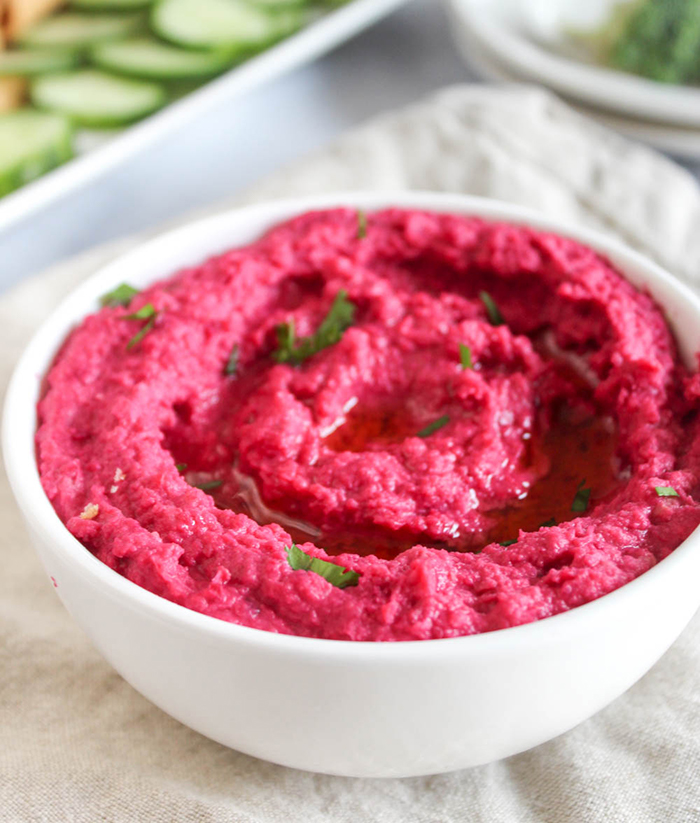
(79, 744)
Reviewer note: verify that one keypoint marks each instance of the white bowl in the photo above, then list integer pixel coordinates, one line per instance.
(680, 141)
(521, 34)
(360, 709)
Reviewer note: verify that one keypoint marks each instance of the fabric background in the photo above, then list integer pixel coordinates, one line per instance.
(79, 744)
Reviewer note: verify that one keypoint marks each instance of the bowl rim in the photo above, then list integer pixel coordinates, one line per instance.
(40, 515)
(501, 30)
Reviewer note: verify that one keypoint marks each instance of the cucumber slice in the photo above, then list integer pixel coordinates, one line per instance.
(94, 98)
(26, 63)
(73, 30)
(153, 59)
(31, 143)
(181, 88)
(109, 5)
(274, 5)
(236, 25)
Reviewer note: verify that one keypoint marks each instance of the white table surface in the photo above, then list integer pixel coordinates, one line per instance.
(403, 58)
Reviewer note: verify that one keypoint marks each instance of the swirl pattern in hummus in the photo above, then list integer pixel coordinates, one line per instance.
(450, 533)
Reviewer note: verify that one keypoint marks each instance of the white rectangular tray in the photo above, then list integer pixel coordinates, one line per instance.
(311, 42)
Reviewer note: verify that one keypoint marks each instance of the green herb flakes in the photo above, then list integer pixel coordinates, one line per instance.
(340, 316)
(434, 426)
(492, 310)
(465, 356)
(581, 498)
(336, 575)
(666, 491)
(210, 485)
(231, 366)
(121, 296)
(361, 225)
(147, 313)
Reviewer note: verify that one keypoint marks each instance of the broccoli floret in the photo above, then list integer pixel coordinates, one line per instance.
(660, 39)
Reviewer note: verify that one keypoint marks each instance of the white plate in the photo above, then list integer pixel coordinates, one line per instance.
(516, 31)
(681, 142)
(104, 154)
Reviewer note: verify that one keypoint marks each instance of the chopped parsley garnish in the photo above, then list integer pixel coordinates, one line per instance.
(361, 225)
(339, 318)
(286, 335)
(209, 485)
(147, 313)
(465, 356)
(507, 543)
(231, 366)
(492, 310)
(581, 498)
(181, 466)
(434, 426)
(666, 491)
(336, 575)
(121, 296)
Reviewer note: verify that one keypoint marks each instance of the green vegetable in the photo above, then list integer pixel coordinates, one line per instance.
(110, 5)
(181, 466)
(121, 296)
(361, 225)
(666, 491)
(658, 39)
(434, 426)
(31, 144)
(507, 543)
(73, 30)
(548, 523)
(152, 59)
(278, 5)
(239, 27)
(95, 98)
(492, 310)
(336, 575)
(147, 313)
(28, 63)
(231, 366)
(334, 324)
(581, 498)
(465, 356)
(210, 485)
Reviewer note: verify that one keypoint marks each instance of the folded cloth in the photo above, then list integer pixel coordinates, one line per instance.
(79, 744)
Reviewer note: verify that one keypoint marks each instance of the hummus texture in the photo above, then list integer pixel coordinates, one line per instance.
(486, 444)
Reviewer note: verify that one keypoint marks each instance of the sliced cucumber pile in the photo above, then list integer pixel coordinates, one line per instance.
(103, 64)
(94, 98)
(110, 5)
(29, 63)
(237, 25)
(31, 143)
(153, 59)
(73, 30)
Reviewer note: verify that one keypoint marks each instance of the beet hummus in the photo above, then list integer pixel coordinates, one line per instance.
(393, 426)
